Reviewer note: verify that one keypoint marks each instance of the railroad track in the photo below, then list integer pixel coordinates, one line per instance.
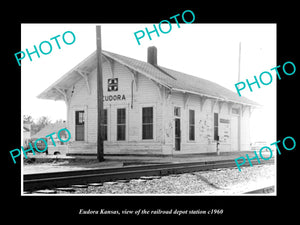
(39, 181)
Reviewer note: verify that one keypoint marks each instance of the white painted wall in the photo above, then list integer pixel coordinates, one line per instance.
(148, 93)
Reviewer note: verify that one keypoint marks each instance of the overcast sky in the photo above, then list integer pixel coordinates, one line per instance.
(209, 51)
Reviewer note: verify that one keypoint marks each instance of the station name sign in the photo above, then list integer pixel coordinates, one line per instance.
(114, 98)
(112, 85)
(224, 121)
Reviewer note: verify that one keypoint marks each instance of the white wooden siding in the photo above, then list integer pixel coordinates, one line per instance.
(147, 93)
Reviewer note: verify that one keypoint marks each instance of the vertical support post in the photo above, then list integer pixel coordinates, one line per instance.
(240, 130)
(100, 148)
(239, 75)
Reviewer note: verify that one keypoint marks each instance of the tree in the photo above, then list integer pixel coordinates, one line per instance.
(60, 121)
(40, 124)
(43, 121)
(27, 119)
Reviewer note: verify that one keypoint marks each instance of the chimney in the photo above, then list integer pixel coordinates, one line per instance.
(152, 55)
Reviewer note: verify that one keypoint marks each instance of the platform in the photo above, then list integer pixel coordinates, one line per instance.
(42, 163)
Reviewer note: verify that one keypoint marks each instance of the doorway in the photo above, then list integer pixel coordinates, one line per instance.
(79, 125)
(235, 133)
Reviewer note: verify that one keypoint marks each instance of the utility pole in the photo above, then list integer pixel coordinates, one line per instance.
(100, 147)
(239, 75)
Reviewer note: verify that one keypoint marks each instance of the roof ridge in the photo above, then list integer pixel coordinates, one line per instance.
(169, 78)
(241, 99)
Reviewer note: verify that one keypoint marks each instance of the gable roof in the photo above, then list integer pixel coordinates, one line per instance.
(171, 79)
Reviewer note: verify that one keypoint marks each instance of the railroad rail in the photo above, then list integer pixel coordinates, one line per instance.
(39, 181)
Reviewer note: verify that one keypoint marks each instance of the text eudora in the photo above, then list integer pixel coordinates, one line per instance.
(114, 97)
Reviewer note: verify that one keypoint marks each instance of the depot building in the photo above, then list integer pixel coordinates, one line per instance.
(150, 109)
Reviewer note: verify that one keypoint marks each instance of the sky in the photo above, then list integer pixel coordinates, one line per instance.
(209, 51)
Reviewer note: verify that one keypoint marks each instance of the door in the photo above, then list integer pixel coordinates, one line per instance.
(177, 134)
(234, 133)
(79, 125)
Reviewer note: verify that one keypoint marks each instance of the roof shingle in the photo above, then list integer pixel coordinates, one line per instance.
(169, 78)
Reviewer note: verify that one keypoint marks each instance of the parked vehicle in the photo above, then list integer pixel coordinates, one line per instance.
(40, 145)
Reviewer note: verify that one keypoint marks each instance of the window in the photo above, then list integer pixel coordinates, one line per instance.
(177, 111)
(191, 125)
(147, 123)
(216, 126)
(104, 125)
(235, 111)
(121, 124)
(79, 117)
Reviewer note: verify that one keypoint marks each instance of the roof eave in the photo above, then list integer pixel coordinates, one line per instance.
(218, 98)
(55, 85)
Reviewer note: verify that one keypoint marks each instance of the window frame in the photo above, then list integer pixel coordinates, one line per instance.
(73, 110)
(153, 123)
(177, 111)
(105, 125)
(80, 120)
(121, 125)
(191, 125)
(216, 127)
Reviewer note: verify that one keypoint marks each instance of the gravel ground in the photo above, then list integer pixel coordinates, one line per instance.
(216, 182)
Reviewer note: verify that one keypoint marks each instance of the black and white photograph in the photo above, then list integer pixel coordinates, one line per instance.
(188, 112)
(115, 113)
